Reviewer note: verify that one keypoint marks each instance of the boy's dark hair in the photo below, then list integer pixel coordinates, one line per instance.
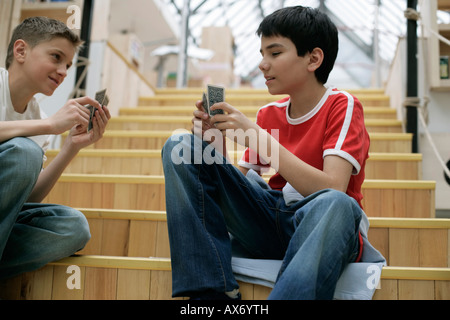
(38, 29)
(307, 28)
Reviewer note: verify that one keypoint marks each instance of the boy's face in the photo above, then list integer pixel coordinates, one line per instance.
(285, 72)
(46, 64)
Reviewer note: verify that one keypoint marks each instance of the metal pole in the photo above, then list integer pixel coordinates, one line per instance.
(182, 55)
(376, 44)
(412, 77)
(85, 34)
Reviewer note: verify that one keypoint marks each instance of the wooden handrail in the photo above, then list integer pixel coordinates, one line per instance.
(130, 65)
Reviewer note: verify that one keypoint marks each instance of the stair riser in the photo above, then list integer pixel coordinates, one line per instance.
(405, 247)
(147, 164)
(50, 283)
(117, 124)
(413, 247)
(378, 202)
(128, 238)
(371, 113)
(97, 283)
(110, 141)
(368, 101)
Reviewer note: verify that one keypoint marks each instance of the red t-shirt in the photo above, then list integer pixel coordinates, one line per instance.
(334, 127)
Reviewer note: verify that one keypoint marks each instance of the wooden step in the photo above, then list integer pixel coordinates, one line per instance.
(129, 140)
(113, 161)
(402, 166)
(403, 283)
(391, 142)
(382, 198)
(148, 162)
(403, 242)
(149, 140)
(399, 198)
(101, 278)
(249, 111)
(369, 100)
(412, 242)
(252, 91)
(121, 278)
(185, 122)
(131, 233)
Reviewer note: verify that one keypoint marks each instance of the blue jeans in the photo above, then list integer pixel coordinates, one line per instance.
(316, 237)
(32, 235)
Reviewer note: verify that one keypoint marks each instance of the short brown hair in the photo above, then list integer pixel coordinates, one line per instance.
(307, 28)
(35, 30)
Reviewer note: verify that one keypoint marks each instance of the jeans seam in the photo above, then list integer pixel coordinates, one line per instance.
(331, 271)
(201, 196)
(280, 230)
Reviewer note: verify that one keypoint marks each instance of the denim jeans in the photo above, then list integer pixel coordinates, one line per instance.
(32, 235)
(207, 202)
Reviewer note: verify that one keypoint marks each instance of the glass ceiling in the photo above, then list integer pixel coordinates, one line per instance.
(356, 21)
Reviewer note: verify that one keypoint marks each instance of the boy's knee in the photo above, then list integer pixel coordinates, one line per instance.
(334, 196)
(25, 151)
(341, 202)
(83, 231)
(24, 155)
(175, 141)
(178, 149)
(78, 232)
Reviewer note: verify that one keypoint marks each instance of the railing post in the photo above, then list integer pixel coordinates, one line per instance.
(85, 34)
(182, 54)
(412, 78)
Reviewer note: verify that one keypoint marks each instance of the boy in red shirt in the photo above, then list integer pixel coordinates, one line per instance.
(309, 213)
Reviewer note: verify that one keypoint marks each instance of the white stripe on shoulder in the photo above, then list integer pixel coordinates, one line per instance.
(274, 104)
(347, 120)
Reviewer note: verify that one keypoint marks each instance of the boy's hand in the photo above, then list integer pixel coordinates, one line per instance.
(200, 116)
(78, 135)
(233, 119)
(72, 114)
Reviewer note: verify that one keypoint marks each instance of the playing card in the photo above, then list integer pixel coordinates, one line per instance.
(215, 94)
(101, 98)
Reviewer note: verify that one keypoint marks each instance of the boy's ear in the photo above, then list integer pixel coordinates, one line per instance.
(316, 59)
(20, 50)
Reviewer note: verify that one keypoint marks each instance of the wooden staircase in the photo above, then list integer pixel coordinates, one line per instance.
(119, 185)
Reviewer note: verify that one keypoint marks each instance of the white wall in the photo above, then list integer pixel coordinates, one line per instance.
(438, 125)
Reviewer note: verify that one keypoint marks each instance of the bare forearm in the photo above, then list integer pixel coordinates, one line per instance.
(50, 175)
(23, 128)
(305, 178)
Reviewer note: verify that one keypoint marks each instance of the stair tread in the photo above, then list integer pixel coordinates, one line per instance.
(152, 179)
(187, 119)
(157, 153)
(411, 273)
(242, 91)
(375, 222)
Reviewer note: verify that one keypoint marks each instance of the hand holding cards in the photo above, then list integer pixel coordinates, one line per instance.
(213, 95)
(101, 98)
